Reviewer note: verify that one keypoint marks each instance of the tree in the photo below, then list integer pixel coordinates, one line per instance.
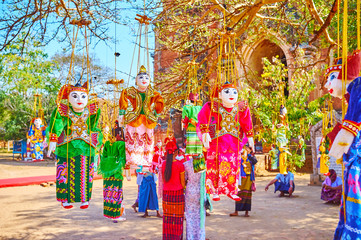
(22, 76)
(193, 29)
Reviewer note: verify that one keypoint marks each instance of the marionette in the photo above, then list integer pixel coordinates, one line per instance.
(157, 157)
(281, 140)
(194, 147)
(36, 136)
(225, 127)
(76, 138)
(111, 168)
(141, 120)
(346, 145)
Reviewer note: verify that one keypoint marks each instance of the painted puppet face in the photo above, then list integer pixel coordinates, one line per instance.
(229, 96)
(142, 80)
(159, 143)
(334, 85)
(78, 100)
(37, 122)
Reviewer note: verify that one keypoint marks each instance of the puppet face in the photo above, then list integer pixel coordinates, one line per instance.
(229, 96)
(159, 143)
(142, 80)
(334, 85)
(37, 122)
(106, 130)
(78, 100)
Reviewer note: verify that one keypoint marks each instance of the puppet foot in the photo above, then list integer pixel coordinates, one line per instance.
(216, 197)
(66, 205)
(119, 219)
(234, 197)
(84, 205)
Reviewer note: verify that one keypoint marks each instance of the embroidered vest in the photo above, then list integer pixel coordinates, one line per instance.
(130, 116)
(228, 124)
(79, 129)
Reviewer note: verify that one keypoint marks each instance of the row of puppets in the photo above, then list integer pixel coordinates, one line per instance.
(216, 134)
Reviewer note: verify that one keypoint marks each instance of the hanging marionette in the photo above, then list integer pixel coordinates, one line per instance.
(111, 168)
(194, 146)
(281, 140)
(225, 127)
(346, 143)
(76, 138)
(141, 120)
(36, 136)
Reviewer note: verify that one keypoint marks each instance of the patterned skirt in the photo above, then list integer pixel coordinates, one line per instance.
(222, 171)
(173, 214)
(331, 195)
(194, 145)
(74, 178)
(113, 197)
(139, 145)
(37, 151)
(245, 193)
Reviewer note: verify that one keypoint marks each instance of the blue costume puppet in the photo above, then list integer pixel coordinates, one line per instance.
(346, 146)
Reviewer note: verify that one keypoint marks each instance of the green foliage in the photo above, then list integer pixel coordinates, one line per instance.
(301, 113)
(21, 76)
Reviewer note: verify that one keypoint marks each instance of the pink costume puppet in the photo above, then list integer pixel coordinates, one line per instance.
(225, 127)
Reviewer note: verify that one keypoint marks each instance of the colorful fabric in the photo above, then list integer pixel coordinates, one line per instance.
(174, 182)
(194, 145)
(274, 154)
(173, 214)
(139, 143)
(148, 194)
(331, 195)
(88, 137)
(74, 178)
(36, 137)
(194, 203)
(189, 118)
(113, 197)
(142, 113)
(245, 193)
(351, 228)
(111, 168)
(228, 130)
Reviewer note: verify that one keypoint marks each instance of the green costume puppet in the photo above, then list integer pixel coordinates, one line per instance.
(75, 137)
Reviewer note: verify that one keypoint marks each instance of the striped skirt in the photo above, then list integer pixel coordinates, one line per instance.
(245, 193)
(194, 145)
(74, 178)
(173, 214)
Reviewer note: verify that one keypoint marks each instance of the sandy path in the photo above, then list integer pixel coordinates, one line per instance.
(32, 212)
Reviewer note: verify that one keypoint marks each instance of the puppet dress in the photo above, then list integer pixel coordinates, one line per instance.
(111, 168)
(36, 136)
(351, 228)
(229, 129)
(140, 123)
(78, 140)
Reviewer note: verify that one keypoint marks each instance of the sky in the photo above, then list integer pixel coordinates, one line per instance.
(126, 38)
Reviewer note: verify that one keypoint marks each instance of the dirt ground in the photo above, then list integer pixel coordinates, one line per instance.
(32, 212)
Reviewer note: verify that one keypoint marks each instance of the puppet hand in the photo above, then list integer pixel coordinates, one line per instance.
(251, 143)
(51, 148)
(341, 144)
(206, 139)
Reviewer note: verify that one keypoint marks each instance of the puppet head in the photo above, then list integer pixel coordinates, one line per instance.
(228, 94)
(334, 73)
(143, 79)
(77, 95)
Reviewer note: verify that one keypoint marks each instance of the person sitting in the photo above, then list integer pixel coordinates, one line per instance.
(332, 188)
(283, 183)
